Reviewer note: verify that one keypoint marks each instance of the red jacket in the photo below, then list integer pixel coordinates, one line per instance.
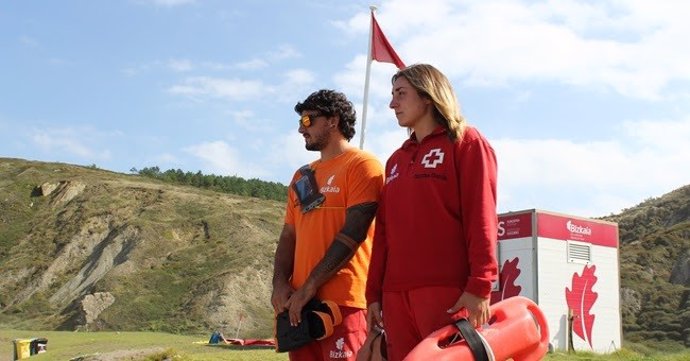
(437, 222)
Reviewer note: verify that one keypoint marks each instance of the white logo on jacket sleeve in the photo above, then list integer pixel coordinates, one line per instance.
(433, 158)
(393, 174)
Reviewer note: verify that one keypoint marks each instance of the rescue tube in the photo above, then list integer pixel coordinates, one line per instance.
(516, 330)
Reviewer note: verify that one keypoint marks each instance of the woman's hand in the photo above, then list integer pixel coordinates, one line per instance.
(374, 316)
(477, 308)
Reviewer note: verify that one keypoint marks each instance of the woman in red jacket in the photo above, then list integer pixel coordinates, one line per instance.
(433, 258)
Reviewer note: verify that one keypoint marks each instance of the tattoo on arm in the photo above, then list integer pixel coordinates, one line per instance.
(337, 255)
(357, 221)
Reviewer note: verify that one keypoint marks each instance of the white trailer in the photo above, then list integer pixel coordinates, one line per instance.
(569, 266)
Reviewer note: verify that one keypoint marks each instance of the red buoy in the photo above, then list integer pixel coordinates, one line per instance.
(516, 330)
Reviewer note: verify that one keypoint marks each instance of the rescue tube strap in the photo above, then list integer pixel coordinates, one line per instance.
(473, 341)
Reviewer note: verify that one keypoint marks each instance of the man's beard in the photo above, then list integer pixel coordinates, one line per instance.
(318, 143)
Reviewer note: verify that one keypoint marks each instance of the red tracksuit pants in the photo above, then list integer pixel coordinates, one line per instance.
(410, 316)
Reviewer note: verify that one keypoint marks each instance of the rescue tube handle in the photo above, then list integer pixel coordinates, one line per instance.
(473, 341)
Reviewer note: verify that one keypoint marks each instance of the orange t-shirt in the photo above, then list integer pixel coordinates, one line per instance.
(351, 178)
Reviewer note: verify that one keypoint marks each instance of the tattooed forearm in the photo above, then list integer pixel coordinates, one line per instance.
(358, 219)
(337, 255)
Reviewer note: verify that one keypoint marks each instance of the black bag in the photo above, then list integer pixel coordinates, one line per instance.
(318, 320)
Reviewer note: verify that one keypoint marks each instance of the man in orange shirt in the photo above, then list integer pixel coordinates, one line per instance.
(325, 245)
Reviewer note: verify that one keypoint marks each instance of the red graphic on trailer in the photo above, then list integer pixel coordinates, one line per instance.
(580, 300)
(508, 288)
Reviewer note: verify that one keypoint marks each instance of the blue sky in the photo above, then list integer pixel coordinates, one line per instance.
(585, 102)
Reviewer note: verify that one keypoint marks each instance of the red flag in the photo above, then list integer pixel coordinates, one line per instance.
(381, 49)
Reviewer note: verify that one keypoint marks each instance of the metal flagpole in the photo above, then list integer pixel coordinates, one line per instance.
(366, 79)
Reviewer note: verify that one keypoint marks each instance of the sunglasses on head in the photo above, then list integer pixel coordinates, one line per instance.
(307, 119)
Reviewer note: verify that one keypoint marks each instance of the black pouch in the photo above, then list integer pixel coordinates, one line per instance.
(307, 190)
(318, 320)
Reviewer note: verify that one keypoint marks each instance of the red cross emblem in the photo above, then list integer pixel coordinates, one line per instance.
(433, 158)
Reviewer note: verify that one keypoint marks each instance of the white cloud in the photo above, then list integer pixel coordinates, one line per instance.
(50, 142)
(351, 81)
(232, 89)
(203, 88)
(253, 64)
(134, 70)
(669, 136)
(180, 65)
(385, 143)
(584, 178)
(218, 157)
(77, 142)
(165, 158)
(249, 121)
(286, 153)
(171, 3)
(283, 52)
(299, 77)
(289, 150)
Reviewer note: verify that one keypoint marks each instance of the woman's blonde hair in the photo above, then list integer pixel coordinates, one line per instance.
(432, 84)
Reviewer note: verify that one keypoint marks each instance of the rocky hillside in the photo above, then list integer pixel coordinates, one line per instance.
(83, 248)
(655, 269)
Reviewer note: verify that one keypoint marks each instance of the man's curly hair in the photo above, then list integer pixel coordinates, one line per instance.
(330, 103)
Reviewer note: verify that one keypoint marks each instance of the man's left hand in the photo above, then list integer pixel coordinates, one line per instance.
(297, 301)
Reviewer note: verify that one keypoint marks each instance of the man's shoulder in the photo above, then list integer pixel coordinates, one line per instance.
(357, 156)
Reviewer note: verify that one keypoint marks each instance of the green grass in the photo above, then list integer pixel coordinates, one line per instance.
(620, 355)
(64, 346)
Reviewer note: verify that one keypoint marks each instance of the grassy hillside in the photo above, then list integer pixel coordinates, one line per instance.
(173, 258)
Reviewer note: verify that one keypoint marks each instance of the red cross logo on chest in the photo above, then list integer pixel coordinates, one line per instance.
(433, 158)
